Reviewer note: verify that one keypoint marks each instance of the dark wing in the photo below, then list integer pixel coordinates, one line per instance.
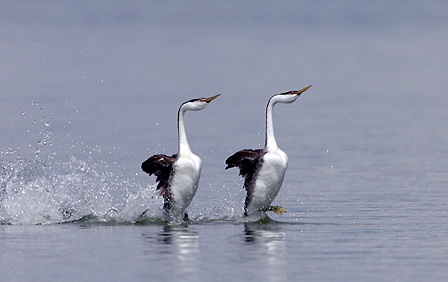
(161, 166)
(246, 160)
(249, 162)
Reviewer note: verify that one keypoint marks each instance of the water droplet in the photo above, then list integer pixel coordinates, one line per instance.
(10, 151)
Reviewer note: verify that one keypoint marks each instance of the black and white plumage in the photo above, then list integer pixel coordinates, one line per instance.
(178, 175)
(264, 169)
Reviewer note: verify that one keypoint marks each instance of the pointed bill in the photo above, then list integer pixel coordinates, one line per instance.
(298, 92)
(208, 100)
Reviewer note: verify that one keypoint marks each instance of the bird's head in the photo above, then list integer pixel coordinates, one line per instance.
(291, 96)
(198, 104)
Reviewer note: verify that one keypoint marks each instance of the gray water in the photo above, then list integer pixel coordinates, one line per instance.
(90, 90)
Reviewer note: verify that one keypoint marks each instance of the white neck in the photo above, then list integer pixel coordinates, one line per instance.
(270, 143)
(184, 148)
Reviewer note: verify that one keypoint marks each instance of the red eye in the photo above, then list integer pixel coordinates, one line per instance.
(202, 99)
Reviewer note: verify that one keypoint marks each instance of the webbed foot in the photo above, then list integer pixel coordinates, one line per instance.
(276, 209)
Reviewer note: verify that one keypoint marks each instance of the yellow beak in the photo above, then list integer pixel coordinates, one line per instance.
(208, 100)
(303, 90)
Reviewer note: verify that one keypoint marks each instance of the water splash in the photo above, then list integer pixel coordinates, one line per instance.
(49, 188)
(35, 192)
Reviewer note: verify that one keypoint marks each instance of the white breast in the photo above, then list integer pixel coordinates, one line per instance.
(269, 180)
(185, 182)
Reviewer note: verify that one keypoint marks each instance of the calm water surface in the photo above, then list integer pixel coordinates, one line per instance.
(92, 90)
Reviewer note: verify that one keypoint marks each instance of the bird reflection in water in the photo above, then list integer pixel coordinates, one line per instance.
(183, 243)
(272, 242)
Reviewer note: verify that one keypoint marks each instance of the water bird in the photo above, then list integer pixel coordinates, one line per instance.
(263, 170)
(178, 175)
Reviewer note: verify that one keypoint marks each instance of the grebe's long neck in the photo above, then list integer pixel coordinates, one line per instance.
(184, 148)
(270, 143)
